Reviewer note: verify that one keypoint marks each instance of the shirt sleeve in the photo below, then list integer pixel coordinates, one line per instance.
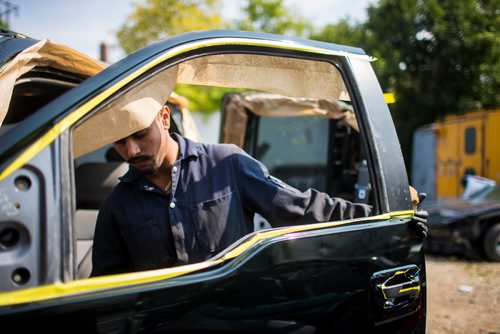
(109, 254)
(283, 205)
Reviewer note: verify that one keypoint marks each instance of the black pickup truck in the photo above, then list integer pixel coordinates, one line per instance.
(60, 111)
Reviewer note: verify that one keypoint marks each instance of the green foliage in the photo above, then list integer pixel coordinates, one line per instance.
(158, 19)
(4, 25)
(204, 99)
(341, 32)
(440, 57)
(273, 17)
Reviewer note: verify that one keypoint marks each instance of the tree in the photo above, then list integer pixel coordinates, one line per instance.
(440, 57)
(158, 19)
(353, 34)
(272, 16)
(341, 32)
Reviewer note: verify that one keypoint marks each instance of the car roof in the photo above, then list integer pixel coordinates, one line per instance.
(11, 43)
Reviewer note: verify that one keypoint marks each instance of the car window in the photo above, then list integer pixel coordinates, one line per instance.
(303, 132)
(313, 152)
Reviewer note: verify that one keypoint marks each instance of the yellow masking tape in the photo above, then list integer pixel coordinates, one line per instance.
(128, 280)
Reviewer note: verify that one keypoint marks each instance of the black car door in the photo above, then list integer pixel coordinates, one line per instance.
(358, 275)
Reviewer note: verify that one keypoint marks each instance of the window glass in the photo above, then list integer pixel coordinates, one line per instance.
(295, 149)
(470, 140)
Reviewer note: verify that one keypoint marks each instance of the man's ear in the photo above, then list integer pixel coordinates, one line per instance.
(165, 117)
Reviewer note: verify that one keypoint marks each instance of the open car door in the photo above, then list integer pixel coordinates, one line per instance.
(361, 275)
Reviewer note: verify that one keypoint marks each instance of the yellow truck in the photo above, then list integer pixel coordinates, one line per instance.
(456, 161)
(446, 151)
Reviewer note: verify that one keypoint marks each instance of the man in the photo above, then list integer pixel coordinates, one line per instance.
(182, 202)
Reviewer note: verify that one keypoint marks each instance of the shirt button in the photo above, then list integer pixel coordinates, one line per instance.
(174, 169)
(172, 205)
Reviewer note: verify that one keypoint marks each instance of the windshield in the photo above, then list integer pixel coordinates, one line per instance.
(477, 187)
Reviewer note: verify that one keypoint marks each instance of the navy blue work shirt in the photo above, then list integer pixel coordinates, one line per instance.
(216, 190)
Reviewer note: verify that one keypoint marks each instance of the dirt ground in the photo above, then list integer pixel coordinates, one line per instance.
(462, 296)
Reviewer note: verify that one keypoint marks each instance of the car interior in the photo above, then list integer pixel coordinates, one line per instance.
(35, 89)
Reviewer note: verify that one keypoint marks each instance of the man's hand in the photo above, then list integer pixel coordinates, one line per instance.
(418, 225)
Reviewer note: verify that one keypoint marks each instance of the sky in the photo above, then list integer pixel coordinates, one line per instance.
(83, 25)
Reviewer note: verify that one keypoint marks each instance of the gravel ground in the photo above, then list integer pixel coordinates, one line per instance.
(462, 296)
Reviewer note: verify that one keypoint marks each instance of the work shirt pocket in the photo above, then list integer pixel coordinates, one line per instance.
(217, 222)
(147, 246)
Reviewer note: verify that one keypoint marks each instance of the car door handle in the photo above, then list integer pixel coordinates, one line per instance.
(395, 292)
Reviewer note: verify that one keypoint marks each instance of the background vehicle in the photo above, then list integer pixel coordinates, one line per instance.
(467, 225)
(444, 155)
(446, 151)
(322, 134)
(358, 275)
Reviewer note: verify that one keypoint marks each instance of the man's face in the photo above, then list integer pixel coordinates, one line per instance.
(144, 149)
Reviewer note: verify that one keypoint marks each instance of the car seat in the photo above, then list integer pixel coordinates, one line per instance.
(94, 181)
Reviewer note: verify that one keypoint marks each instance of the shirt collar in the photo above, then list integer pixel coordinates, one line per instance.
(187, 148)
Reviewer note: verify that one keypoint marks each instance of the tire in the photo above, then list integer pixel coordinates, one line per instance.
(491, 243)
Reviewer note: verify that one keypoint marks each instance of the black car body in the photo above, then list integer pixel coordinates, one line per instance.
(361, 275)
(467, 226)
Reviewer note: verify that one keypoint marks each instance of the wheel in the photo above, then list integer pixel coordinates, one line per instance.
(491, 242)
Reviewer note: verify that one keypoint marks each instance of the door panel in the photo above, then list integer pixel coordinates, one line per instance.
(307, 281)
(460, 151)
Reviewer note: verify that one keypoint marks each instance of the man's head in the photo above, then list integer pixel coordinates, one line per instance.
(147, 149)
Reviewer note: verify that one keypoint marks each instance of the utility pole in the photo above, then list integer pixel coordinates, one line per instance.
(104, 52)
(7, 8)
